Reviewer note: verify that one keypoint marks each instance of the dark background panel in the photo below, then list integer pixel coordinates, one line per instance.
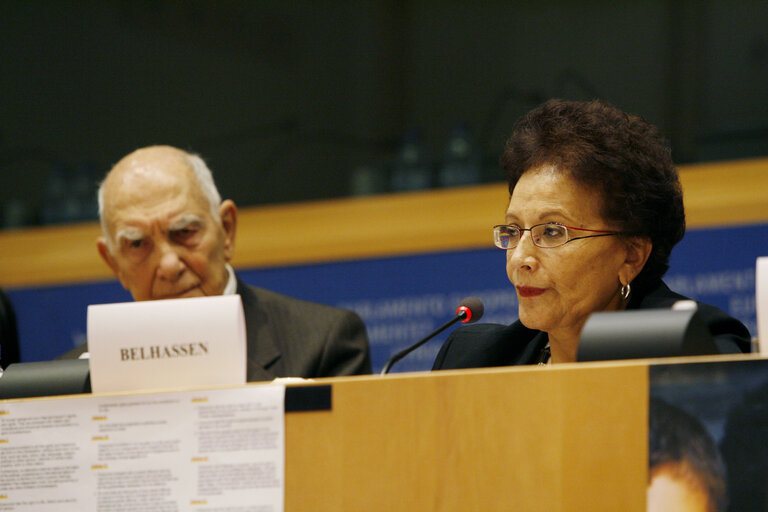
(289, 100)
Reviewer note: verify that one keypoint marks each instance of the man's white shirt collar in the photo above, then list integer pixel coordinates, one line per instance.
(231, 287)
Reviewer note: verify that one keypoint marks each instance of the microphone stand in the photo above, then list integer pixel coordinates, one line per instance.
(461, 315)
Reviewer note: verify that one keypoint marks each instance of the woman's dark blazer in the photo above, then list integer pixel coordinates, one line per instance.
(488, 345)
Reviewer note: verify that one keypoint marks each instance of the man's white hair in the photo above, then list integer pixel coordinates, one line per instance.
(204, 179)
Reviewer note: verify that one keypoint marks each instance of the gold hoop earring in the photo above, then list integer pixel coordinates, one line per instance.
(625, 291)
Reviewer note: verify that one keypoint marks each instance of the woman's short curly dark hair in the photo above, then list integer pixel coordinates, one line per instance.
(621, 156)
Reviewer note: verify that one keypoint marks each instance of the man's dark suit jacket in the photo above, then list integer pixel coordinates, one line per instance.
(489, 345)
(289, 337)
(9, 334)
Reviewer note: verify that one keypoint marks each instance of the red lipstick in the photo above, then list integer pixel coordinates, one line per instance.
(530, 291)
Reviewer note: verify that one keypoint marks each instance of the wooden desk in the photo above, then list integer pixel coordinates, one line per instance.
(504, 439)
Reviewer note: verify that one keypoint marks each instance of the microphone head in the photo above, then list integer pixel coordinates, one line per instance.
(470, 309)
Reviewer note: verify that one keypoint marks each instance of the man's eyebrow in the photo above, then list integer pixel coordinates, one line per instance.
(129, 234)
(185, 221)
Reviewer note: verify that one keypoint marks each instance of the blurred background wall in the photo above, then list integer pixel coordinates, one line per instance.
(292, 101)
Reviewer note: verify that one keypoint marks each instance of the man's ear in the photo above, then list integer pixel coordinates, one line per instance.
(638, 251)
(228, 215)
(106, 255)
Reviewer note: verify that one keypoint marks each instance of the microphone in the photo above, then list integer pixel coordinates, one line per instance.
(470, 310)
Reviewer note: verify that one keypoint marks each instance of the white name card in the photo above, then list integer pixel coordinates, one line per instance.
(761, 292)
(167, 344)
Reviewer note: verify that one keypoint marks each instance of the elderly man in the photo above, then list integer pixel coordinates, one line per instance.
(167, 234)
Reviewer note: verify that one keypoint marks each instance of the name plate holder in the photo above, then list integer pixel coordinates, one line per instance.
(761, 303)
(167, 344)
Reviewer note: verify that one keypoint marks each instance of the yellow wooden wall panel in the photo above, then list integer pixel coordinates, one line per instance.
(716, 194)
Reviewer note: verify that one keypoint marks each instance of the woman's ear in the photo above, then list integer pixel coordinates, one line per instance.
(638, 251)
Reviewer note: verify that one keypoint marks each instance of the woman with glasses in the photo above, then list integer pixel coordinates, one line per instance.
(595, 209)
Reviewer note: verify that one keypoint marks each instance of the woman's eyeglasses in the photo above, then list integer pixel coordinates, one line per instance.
(546, 236)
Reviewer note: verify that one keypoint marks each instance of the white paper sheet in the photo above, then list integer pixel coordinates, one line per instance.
(167, 344)
(761, 292)
(205, 450)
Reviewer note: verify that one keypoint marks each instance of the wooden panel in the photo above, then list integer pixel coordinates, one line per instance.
(51, 255)
(504, 439)
(408, 223)
(716, 194)
(725, 193)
